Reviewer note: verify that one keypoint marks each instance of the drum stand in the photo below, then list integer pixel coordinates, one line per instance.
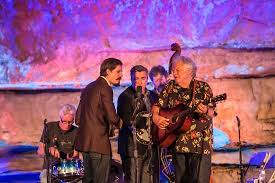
(60, 180)
(48, 167)
(46, 149)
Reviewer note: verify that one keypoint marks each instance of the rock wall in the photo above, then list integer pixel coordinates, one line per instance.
(49, 51)
(35, 29)
(61, 43)
(74, 73)
(252, 100)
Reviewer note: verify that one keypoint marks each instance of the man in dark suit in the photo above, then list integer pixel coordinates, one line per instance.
(95, 113)
(127, 103)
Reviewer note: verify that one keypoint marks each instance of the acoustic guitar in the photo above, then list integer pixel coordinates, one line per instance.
(179, 120)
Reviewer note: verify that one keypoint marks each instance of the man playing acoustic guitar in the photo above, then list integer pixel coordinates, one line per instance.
(193, 143)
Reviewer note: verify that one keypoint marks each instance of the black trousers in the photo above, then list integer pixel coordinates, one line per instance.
(146, 162)
(192, 168)
(129, 168)
(96, 167)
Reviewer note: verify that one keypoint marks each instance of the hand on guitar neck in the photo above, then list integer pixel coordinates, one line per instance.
(204, 109)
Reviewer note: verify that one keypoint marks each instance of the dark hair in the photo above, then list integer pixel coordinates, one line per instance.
(109, 63)
(137, 68)
(157, 70)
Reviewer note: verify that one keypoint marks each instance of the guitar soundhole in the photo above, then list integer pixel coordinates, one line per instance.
(174, 120)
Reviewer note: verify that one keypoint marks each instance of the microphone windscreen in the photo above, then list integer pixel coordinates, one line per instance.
(139, 91)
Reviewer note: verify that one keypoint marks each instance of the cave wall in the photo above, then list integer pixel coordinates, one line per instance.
(49, 51)
(49, 43)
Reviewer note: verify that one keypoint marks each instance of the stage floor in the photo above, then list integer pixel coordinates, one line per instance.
(21, 164)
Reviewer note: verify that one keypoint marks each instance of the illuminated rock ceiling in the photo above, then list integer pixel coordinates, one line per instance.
(49, 43)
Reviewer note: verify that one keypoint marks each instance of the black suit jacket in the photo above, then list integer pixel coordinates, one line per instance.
(95, 113)
(125, 109)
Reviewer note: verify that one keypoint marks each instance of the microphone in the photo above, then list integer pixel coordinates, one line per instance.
(239, 121)
(138, 100)
(139, 92)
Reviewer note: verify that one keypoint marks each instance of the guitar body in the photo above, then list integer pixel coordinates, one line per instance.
(166, 137)
(179, 122)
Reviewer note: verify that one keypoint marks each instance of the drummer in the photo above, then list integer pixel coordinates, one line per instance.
(57, 139)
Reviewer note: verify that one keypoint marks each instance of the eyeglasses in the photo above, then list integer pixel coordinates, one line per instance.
(67, 122)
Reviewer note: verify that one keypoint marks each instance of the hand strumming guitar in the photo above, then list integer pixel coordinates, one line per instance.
(160, 121)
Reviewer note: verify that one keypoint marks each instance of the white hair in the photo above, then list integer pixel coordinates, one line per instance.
(67, 109)
(188, 62)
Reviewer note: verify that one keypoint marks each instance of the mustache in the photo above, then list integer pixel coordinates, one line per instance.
(117, 84)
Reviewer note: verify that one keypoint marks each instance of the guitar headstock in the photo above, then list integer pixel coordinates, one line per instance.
(218, 98)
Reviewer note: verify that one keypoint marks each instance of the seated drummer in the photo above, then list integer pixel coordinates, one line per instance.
(58, 137)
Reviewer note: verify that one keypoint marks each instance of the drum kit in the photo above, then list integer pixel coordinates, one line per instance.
(72, 171)
(67, 170)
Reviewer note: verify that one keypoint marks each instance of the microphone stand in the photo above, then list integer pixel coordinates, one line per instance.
(47, 154)
(147, 115)
(150, 149)
(240, 151)
(134, 131)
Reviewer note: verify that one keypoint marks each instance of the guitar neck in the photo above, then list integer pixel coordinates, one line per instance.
(215, 99)
(205, 102)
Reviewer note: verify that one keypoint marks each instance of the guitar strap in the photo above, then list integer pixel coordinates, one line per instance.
(192, 104)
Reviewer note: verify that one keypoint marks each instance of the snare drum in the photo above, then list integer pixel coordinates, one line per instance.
(67, 168)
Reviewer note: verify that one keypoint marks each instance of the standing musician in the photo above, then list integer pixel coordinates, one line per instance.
(193, 148)
(95, 113)
(158, 76)
(59, 137)
(127, 103)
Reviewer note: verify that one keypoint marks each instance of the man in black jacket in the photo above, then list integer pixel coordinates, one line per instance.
(127, 103)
